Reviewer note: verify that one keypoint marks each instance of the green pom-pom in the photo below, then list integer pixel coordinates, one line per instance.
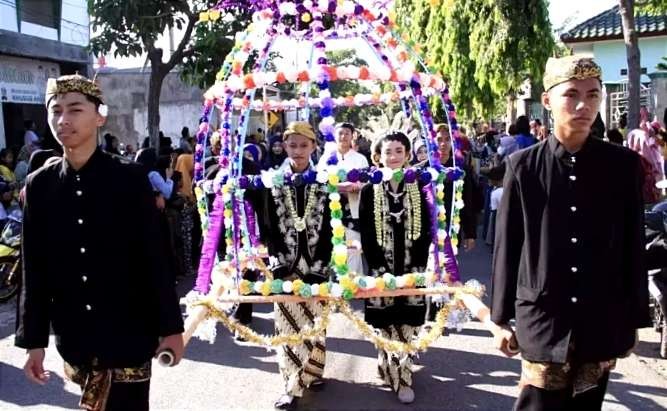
(337, 214)
(420, 281)
(348, 294)
(342, 269)
(342, 175)
(305, 291)
(391, 284)
(277, 286)
(398, 175)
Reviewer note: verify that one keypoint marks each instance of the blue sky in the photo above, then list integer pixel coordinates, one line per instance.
(576, 10)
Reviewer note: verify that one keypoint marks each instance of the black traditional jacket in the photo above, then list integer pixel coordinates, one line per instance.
(94, 267)
(285, 244)
(396, 254)
(568, 251)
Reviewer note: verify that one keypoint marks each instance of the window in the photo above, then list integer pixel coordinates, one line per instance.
(624, 72)
(42, 12)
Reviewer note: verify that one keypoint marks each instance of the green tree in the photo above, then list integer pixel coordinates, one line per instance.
(132, 27)
(486, 48)
(654, 7)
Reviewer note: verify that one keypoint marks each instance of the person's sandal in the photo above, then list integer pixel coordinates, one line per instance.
(317, 384)
(285, 402)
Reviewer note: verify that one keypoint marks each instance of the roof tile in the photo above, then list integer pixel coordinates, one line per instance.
(607, 25)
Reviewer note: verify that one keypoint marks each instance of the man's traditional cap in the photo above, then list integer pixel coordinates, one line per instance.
(73, 83)
(577, 67)
(299, 127)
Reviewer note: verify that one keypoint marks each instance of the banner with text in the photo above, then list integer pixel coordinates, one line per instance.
(24, 80)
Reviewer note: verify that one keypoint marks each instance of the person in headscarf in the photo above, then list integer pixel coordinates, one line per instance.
(276, 156)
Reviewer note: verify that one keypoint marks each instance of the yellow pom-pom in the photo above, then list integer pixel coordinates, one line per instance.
(333, 179)
(228, 213)
(440, 195)
(214, 15)
(296, 286)
(339, 231)
(324, 289)
(335, 205)
(379, 283)
(409, 280)
(266, 288)
(442, 216)
(345, 282)
(455, 242)
(204, 16)
(340, 259)
(306, 18)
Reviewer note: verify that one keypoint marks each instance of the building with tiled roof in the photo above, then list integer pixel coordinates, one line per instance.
(602, 37)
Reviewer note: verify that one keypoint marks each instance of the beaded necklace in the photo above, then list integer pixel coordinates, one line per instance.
(299, 222)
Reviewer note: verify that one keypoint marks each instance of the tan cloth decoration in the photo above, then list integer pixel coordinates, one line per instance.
(73, 83)
(95, 383)
(577, 67)
(299, 127)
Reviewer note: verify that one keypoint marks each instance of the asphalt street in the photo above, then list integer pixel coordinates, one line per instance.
(461, 371)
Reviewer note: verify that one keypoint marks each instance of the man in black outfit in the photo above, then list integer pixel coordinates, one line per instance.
(568, 250)
(93, 266)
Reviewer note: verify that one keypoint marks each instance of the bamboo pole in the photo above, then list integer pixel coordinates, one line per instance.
(288, 298)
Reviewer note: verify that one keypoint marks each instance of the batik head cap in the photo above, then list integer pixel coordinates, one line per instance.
(73, 83)
(577, 67)
(299, 127)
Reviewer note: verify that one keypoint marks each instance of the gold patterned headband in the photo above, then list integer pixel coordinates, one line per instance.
(577, 67)
(74, 83)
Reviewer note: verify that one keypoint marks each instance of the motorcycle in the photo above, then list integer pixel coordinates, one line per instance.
(10, 256)
(656, 263)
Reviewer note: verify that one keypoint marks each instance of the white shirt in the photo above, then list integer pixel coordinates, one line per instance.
(496, 196)
(351, 160)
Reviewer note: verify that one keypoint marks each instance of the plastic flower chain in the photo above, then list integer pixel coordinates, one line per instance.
(358, 100)
(237, 82)
(339, 253)
(373, 175)
(457, 205)
(346, 287)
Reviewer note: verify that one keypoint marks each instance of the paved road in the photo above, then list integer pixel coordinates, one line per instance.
(460, 372)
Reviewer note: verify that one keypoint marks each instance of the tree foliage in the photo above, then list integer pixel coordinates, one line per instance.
(486, 48)
(132, 27)
(654, 7)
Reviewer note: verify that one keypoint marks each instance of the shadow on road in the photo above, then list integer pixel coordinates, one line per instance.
(633, 396)
(53, 391)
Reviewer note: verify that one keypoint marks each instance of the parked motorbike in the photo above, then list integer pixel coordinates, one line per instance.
(656, 263)
(10, 256)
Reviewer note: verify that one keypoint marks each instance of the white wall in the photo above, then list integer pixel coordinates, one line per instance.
(173, 117)
(8, 15)
(611, 56)
(74, 23)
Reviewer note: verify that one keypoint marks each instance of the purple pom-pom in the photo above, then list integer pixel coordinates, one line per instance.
(425, 177)
(376, 177)
(410, 175)
(244, 182)
(353, 175)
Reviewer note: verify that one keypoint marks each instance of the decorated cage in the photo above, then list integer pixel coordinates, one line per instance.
(231, 218)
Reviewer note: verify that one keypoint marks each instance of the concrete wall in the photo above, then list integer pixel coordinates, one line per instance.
(126, 94)
(611, 55)
(659, 94)
(74, 23)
